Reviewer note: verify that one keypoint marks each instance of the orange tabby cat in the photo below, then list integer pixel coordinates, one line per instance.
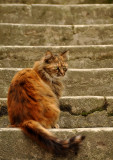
(33, 103)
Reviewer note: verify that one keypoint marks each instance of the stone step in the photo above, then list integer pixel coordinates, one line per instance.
(66, 14)
(98, 145)
(56, 1)
(37, 35)
(76, 112)
(78, 82)
(94, 56)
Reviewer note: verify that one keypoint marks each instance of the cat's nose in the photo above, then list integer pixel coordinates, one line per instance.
(62, 72)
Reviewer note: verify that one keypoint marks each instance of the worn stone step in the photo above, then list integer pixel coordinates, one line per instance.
(98, 145)
(58, 35)
(66, 14)
(15, 13)
(78, 82)
(94, 56)
(95, 82)
(56, 1)
(76, 112)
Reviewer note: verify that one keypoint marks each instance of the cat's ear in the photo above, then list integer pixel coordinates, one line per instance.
(65, 55)
(48, 56)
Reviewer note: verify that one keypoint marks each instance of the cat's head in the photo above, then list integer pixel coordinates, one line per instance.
(55, 65)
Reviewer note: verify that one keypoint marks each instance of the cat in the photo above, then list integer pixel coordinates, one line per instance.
(33, 102)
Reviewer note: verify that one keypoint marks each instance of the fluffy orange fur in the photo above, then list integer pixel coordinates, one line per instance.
(33, 102)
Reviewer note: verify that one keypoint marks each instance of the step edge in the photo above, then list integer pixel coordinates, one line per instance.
(69, 70)
(55, 25)
(77, 97)
(98, 129)
(73, 46)
(56, 5)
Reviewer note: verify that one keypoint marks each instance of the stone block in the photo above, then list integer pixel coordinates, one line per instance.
(66, 14)
(13, 13)
(79, 56)
(55, 35)
(98, 145)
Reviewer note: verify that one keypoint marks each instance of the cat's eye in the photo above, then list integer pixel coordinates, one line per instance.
(64, 68)
(56, 68)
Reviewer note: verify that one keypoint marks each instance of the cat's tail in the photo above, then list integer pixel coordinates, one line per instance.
(48, 141)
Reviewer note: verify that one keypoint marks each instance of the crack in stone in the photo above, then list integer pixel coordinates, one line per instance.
(68, 108)
(73, 29)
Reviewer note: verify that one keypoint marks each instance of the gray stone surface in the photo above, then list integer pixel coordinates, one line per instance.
(73, 14)
(86, 111)
(5, 80)
(57, 1)
(4, 122)
(15, 13)
(47, 35)
(96, 82)
(96, 119)
(78, 82)
(98, 145)
(79, 56)
(83, 105)
(66, 14)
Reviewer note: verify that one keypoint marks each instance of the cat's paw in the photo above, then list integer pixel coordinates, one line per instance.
(57, 126)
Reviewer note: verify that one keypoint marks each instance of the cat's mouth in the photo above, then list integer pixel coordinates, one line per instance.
(60, 74)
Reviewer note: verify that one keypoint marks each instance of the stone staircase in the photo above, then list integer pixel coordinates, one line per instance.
(27, 31)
